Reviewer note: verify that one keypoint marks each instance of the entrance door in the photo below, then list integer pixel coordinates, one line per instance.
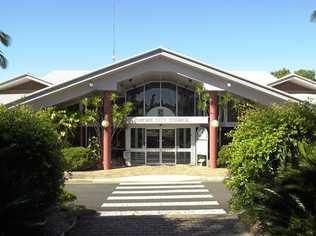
(168, 145)
(153, 147)
(160, 146)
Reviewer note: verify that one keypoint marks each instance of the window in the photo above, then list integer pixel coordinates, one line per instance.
(168, 97)
(152, 138)
(118, 140)
(136, 96)
(231, 113)
(183, 157)
(152, 98)
(184, 138)
(168, 138)
(185, 102)
(137, 137)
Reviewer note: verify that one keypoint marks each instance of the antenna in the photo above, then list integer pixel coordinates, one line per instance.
(113, 52)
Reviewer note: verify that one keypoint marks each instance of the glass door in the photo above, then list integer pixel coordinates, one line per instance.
(153, 147)
(168, 144)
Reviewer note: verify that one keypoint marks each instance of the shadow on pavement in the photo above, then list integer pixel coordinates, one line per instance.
(157, 225)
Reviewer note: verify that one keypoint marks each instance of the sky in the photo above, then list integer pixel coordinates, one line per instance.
(230, 34)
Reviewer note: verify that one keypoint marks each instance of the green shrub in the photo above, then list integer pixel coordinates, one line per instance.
(289, 207)
(79, 159)
(223, 156)
(264, 143)
(31, 174)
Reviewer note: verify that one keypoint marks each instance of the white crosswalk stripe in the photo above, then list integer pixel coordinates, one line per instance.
(161, 186)
(159, 183)
(149, 204)
(164, 212)
(160, 198)
(164, 191)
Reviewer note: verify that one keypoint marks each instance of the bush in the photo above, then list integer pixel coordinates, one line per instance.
(264, 143)
(31, 174)
(290, 207)
(79, 159)
(223, 156)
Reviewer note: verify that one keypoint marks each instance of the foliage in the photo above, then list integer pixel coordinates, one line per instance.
(241, 105)
(309, 74)
(264, 143)
(95, 148)
(66, 197)
(119, 113)
(281, 73)
(289, 207)
(30, 165)
(223, 156)
(66, 122)
(203, 98)
(79, 159)
(5, 40)
(313, 16)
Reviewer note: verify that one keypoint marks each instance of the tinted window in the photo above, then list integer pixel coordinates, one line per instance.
(168, 96)
(184, 138)
(152, 96)
(137, 137)
(136, 96)
(168, 138)
(152, 138)
(185, 102)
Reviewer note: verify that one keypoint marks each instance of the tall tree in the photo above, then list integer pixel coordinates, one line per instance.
(5, 40)
(309, 74)
(313, 16)
(281, 73)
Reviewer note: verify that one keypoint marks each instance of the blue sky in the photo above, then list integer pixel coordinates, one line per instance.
(240, 35)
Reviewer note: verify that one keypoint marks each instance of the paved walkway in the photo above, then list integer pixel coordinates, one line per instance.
(153, 172)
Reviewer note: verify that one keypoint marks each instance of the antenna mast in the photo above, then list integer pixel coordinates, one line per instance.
(113, 52)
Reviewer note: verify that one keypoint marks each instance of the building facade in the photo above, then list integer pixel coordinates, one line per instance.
(165, 126)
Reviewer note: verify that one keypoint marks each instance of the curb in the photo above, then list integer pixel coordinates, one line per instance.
(119, 180)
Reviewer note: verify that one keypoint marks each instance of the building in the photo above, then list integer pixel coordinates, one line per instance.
(165, 127)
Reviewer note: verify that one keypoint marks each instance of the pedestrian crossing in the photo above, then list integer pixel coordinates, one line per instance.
(161, 198)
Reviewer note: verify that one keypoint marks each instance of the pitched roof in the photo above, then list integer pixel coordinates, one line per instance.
(22, 79)
(300, 80)
(140, 58)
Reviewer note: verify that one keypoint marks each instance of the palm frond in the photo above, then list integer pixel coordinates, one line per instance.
(313, 16)
(3, 61)
(4, 39)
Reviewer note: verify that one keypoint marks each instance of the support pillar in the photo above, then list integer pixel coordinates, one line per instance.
(213, 116)
(107, 124)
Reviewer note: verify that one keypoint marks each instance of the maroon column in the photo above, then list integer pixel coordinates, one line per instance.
(212, 130)
(107, 107)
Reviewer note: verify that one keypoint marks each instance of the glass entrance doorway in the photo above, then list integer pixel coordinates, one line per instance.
(160, 146)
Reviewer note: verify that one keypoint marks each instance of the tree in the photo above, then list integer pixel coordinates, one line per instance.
(5, 40)
(313, 16)
(281, 73)
(309, 74)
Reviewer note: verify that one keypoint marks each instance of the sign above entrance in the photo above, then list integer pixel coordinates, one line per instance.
(168, 120)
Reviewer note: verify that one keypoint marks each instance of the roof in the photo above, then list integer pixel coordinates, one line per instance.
(260, 77)
(61, 76)
(146, 56)
(300, 80)
(22, 79)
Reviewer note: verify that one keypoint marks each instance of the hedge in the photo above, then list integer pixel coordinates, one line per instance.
(79, 159)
